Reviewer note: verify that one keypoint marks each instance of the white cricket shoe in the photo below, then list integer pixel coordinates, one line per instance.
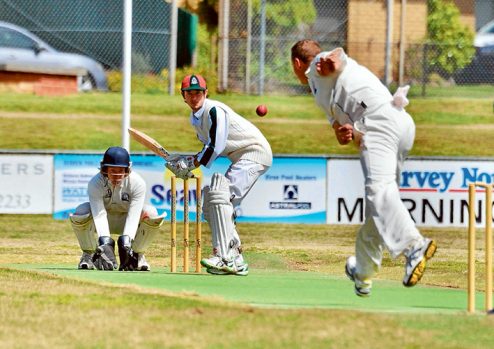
(241, 268)
(86, 261)
(142, 263)
(416, 261)
(220, 266)
(362, 288)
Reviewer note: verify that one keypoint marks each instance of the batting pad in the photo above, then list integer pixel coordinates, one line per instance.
(85, 231)
(205, 204)
(146, 232)
(221, 216)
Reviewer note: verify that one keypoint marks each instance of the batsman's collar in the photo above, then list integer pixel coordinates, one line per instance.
(198, 113)
(194, 82)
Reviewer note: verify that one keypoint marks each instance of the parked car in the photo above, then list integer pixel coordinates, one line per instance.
(481, 68)
(21, 48)
(484, 39)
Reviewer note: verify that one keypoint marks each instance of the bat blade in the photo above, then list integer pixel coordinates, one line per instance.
(149, 143)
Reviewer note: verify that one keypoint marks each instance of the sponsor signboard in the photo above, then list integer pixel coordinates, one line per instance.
(435, 191)
(26, 184)
(292, 191)
(74, 171)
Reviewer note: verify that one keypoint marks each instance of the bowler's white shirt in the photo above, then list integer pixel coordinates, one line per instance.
(346, 95)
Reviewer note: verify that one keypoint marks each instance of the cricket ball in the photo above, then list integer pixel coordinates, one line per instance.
(261, 110)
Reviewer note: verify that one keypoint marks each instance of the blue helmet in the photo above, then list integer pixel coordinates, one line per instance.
(116, 157)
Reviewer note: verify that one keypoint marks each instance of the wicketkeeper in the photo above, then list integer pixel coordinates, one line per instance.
(223, 132)
(361, 109)
(116, 205)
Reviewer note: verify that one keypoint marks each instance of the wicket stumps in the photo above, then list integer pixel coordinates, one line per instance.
(471, 245)
(173, 220)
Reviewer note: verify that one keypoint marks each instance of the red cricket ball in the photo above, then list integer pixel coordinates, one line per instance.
(261, 110)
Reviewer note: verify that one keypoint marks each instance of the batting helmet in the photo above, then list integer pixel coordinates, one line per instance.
(194, 82)
(116, 157)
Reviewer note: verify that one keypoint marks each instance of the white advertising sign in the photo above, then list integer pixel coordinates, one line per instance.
(26, 184)
(292, 191)
(434, 191)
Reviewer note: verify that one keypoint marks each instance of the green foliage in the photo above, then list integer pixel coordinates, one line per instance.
(450, 40)
(286, 14)
(282, 18)
(142, 83)
(206, 43)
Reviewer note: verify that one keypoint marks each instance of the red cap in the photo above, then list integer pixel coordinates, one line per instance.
(194, 82)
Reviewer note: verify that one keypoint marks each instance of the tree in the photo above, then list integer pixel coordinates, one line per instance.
(451, 42)
(284, 18)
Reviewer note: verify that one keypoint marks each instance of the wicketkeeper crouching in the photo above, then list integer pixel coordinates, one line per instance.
(116, 205)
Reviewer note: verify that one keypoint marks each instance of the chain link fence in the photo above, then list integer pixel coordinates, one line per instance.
(262, 32)
(260, 35)
(94, 29)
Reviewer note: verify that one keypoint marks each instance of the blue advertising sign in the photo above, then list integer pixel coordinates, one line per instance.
(292, 191)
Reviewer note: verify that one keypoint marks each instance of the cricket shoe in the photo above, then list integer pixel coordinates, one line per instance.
(417, 260)
(362, 289)
(142, 263)
(240, 270)
(219, 266)
(86, 261)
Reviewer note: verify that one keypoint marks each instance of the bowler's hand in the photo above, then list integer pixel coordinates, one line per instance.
(330, 63)
(325, 66)
(344, 133)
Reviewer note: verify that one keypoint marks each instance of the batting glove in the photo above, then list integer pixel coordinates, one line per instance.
(182, 166)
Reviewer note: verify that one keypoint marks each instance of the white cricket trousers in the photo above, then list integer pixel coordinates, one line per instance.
(242, 175)
(389, 136)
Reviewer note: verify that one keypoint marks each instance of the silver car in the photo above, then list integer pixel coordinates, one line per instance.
(484, 39)
(24, 50)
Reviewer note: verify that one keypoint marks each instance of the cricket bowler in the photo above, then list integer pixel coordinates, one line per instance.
(361, 109)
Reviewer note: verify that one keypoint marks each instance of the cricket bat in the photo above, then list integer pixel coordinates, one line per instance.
(154, 146)
(149, 143)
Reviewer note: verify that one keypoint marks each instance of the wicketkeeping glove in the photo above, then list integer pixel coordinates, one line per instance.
(104, 257)
(128, 258)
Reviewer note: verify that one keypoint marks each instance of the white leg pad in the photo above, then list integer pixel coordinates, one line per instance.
(147, 230)
(220, 214)
(205, 204)
(85, 231)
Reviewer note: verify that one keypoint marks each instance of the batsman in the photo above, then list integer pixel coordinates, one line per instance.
(116, 205)
(223, 132)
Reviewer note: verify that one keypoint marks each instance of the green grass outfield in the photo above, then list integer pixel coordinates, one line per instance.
(296, 295)
(283, 289)
(445, 126)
